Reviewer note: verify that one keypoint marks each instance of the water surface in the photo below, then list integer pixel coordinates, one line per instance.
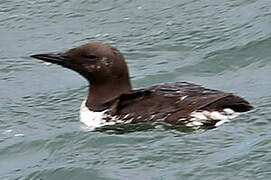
(220, 44)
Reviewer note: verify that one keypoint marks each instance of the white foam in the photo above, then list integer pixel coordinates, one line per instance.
(18, 135)
(47, 63)
(7, 131)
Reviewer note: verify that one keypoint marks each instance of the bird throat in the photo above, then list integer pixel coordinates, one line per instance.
(100, 97)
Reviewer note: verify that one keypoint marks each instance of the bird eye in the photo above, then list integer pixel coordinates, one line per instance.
(92, 57)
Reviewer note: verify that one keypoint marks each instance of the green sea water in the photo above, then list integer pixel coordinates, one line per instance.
(225, 45)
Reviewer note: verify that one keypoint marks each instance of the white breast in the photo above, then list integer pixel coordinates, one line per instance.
(94, 119)
(91, 118)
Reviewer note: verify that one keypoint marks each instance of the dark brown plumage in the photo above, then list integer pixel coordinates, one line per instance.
(110, 88)
(174, 102)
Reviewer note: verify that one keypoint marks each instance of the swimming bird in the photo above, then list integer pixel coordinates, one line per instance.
(112, 100)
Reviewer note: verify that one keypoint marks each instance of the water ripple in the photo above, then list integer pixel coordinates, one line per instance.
(223, 45)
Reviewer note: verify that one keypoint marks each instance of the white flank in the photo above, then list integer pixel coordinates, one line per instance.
(200, 117)
(94, 119)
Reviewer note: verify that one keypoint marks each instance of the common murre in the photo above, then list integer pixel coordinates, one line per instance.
(111, 98)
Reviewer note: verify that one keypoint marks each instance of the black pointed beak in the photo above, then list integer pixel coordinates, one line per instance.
(52, 58)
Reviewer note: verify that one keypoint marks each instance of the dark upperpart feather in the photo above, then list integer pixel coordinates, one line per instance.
(173, 102)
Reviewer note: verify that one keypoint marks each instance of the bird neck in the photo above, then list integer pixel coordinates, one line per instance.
(101, 94)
